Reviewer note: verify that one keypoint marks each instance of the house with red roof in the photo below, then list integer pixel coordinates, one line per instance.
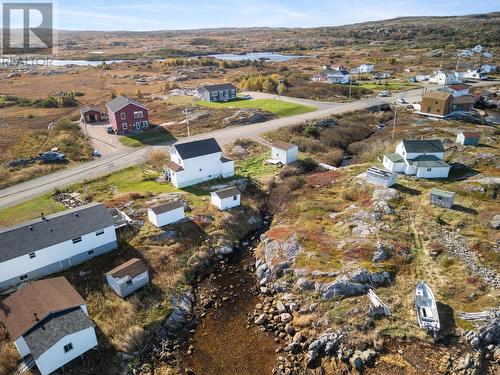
(458, 89)
(127, 115)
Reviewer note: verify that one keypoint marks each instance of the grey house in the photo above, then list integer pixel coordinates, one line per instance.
(442, 198)
(217, 93)
(128, 277)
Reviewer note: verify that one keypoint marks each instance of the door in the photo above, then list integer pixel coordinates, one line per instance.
(91, 118)
(138, 125)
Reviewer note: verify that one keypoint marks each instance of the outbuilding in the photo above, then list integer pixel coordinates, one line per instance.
(468, 138)
(226, 198)
(90, 115)
(285, 153)
(128, 277)
(442, 198)
(166, 213)
(381, 177)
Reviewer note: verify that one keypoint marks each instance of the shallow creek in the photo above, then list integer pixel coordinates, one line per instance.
(224, 341)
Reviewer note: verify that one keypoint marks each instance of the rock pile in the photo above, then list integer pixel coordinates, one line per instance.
(486, 338)
(69, 200)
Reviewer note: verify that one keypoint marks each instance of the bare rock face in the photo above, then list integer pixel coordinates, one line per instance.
(281, 255)
(495, 222)
(355, 283)
(183, 305)
(381, 199)
(382, 252)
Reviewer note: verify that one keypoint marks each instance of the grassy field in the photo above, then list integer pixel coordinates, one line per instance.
(271, 105)
(386, 85)
(29, 209)
(149, 137)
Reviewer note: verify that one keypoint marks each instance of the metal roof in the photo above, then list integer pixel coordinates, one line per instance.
(467, 134)
(55, 327)
(131, 268)
(442, 193)
(285, 146)
(166, 207)
(227, 192)
(427, 161)
(219, 86)
(189, 150)
(121, 101)
(53, 229)
(395, 158)
(424, 145)
(90, 109)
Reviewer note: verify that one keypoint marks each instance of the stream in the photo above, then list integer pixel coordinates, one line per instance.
(224, 342)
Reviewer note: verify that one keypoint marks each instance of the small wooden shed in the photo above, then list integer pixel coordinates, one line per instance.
(90, 115)
(167, 213)
(128, 277)
(381, 177)
(226, 198)
(468, 138)
(442, 198)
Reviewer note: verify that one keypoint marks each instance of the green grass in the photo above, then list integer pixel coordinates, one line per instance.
(255, 166)
(153, 136)
(394, 86)
(29, 209)
(270, 105)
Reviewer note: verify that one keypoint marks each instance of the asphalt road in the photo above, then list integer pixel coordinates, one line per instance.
(126, 158)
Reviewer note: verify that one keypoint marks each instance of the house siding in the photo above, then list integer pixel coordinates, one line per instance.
(226, 203)
(285, 156)
(435, 172)
(56, 258)
(55, 357)
(166, 218)
(117, 122)
(441, 201)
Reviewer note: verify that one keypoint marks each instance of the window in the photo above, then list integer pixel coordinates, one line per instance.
(23, 277)
(138, 114)
(77, 239)
(235, 197)
(200, 169)
(123, 115)
(99, 232)
(91, 252)
(429, 169)
(68, 347)
(32, 255)
(129, 282)
(124, 125)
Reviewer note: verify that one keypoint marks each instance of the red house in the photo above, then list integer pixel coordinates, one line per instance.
(90, 115)
(126, 115)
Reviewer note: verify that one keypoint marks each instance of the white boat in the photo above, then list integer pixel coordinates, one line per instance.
(427, 313)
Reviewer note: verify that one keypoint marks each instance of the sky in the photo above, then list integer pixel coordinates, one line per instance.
(142, 15)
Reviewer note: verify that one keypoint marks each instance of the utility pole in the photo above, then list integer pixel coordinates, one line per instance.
(187, 112)
(350, 87)
(394, 122)
(280, 89)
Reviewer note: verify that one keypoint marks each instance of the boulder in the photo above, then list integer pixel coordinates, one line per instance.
(261, 319)
(281, 307)
(280, 255)
(356, 361)
(382, 252)
(285, 318)
(495, 222)
(304, 284)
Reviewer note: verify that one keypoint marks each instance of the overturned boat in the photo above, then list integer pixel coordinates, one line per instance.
(427, 312)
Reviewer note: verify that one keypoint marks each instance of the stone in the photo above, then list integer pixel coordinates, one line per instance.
(368, 356)
(303, 284)
(495, 222)
(281, 307)
(464, 363)
(261, 319)
(356, 361)
(298, 337)
(381, 253)
(285, 318)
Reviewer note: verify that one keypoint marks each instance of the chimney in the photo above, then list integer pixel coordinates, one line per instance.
(42, 215)
(76, 214)
(36, 317)
(30, 228)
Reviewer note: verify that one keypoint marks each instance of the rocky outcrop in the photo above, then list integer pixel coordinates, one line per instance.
(325, 345)
(247, 116)
(182, 308)
(278, 256)
(382, 252)
(355, 283)
(381, 200)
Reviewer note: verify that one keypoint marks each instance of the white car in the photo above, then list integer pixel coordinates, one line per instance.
(384, 93)
(246, 97)
(401, 101)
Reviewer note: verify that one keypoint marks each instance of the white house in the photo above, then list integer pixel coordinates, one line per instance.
(422, 158)
(284, 152)
(443, 78)
(54, 243)
(422, 77)
(487, 54)
(333, 76)
(478, 49)
(197, 161)
(458, 89)
(167, 213)
(467, 138)
(128, 277)
(475, 74)
(49, 324)
(366, 68)
(466, 53)
(226, 198)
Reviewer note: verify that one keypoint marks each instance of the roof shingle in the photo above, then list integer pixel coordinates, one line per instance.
(131, 268)
(193, 149)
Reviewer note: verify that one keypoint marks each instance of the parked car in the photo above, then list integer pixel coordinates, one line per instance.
(401, 101)
(384, 93)
(96, 153)
(53, 157)
(246, 97)
(110, 130)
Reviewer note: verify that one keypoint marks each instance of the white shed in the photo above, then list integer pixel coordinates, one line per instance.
(128, 277)
(165, 214)
(226, 198)
(285, 153)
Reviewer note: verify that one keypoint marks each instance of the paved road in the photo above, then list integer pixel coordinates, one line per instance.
(20, 192)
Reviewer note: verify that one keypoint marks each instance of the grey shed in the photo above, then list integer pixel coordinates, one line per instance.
(442, 198)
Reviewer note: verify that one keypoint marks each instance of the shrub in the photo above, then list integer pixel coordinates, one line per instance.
(333, 157)
(158, 159)
(308, 145)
